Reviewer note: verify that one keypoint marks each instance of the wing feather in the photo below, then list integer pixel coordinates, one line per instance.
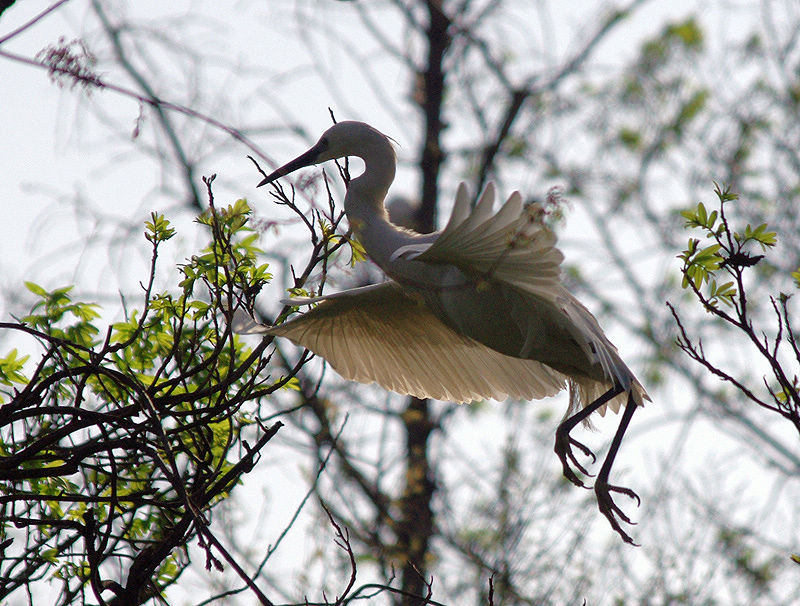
(512, 245)
(379, 334)
(460, 208)
(515, 247)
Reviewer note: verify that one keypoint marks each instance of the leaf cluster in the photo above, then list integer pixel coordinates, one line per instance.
(715, 267)
(721, 250)
(116, 444)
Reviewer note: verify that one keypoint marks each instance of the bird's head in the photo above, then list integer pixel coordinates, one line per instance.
(347, 138)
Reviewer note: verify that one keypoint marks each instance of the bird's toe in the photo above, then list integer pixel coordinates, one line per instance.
(612, 511)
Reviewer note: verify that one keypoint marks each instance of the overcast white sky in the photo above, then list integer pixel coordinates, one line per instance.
(52, 148)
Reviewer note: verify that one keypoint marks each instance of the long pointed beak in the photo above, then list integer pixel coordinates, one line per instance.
(306, 159)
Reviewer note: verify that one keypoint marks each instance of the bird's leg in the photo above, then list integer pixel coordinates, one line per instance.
(565, 442)
(603, 489)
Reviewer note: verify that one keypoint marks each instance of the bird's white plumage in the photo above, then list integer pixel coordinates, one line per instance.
(379, 334)
(511, 246)
(475, 311)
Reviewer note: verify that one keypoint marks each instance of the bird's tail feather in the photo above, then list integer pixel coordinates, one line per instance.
(582, 393)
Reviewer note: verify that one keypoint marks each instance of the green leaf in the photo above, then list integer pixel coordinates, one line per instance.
(158, 229)
(36, 289)
(724, 292)
(11, 369)
(357, 252)
(699, 276)
(293, 383)
(168, 571)
(688, 32)
(761, 235)
(50, 555)
(692, 107)
(630, 138)
(725, 195)
(709, 257)
(702, 216)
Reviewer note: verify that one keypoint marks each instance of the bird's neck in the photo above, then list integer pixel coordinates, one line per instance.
(379, 237)
(366, 193)
(364, 202)
(370, 221)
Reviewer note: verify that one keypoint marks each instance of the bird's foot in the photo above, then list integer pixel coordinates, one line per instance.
(563, 449)
(611, 510)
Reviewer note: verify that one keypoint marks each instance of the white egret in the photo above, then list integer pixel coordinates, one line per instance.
(475, 311)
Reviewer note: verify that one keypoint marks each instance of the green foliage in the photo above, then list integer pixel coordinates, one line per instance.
(744, 558)
(687, 33)
(630, 138)
(690, 109)
(158, 229)
(759, 234)
(123, 437)
(357, 253)
(56, 308)
(223, 264)
(331, 241)
(684, 35)
(660, 103)
(724, 250)
(11, 368)
(719, 250)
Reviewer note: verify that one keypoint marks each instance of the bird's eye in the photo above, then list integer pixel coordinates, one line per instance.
(323, 143)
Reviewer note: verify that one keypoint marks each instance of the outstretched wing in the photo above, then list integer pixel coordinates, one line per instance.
(380, 334)
(512, 245)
